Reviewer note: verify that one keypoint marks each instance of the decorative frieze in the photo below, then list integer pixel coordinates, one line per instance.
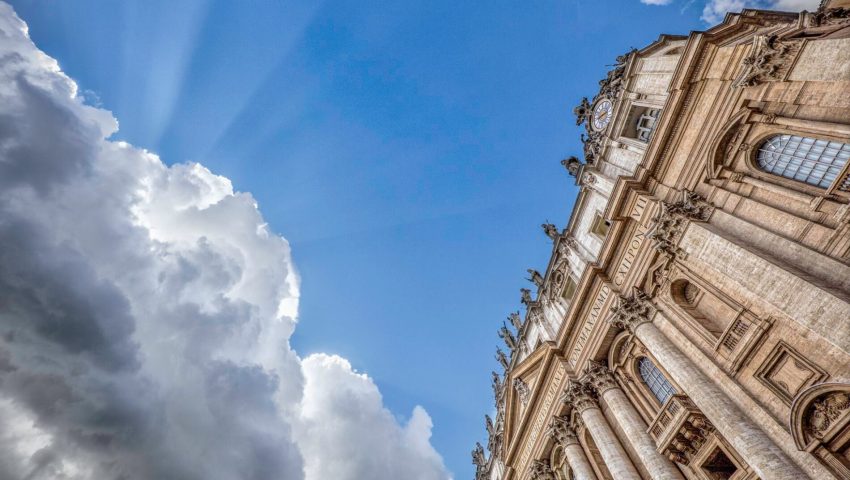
(769, 60)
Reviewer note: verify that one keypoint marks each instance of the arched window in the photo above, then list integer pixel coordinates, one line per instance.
(808, 160)
(655, 380)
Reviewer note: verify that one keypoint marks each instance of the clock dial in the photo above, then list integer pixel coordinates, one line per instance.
(602, 114)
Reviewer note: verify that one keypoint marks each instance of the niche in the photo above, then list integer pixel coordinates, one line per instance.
(712, 313)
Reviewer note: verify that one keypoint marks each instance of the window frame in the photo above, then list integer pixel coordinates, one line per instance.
(599, 218)
(754, 145)
(660, 374)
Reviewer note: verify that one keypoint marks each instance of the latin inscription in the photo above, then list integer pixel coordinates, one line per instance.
(595, 310)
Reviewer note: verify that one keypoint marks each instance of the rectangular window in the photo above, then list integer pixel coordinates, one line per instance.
(600, 226)
(570, 289)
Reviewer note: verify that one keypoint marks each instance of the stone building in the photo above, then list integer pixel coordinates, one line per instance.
(693, 321)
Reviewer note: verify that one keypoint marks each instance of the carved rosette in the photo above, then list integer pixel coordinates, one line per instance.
(599, 377)
(562, 431)
(672, 219)
(581, 396)
(541, 470)
(632, 311)
(769, 60)
(825, 411)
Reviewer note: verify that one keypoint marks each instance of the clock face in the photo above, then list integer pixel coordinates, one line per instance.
(602, 114)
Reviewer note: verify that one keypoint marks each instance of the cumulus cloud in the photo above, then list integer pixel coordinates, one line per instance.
(715, 10)
(146, 311)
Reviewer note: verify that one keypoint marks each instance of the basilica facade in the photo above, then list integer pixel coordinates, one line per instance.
(693, 321)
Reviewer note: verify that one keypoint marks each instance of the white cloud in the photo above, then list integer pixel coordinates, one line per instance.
(715, 10)
(145, 315)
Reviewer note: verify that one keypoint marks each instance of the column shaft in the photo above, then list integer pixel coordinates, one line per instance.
(578, 462)
(750, 441)
(616, 458)
(658, 466)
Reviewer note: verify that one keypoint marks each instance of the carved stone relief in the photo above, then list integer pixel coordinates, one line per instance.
(541, 470)
(522, 390)
(824, 411)
(769, 60)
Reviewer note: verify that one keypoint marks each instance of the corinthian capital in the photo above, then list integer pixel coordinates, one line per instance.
(599, 377)
(631, 311)
(580, 396)
(541, 470)
(672, 218)
(562, 431)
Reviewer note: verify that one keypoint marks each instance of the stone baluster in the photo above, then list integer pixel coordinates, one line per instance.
(631, 423)
(635, 313)
(566, 437)
(582, 398)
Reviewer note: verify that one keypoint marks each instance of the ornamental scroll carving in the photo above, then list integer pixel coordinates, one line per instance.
(672, 219)
(541, 470)
(769, 60)
(562, 431)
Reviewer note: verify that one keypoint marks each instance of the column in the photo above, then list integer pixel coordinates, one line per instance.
(750, 441)
(630, 421)
(581, 397)
(565, 435)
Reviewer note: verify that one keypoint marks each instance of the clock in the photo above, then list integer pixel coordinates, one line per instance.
(602, 114)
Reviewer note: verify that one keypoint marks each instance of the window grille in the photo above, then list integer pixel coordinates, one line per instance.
(655, 380)
(646, 124)
(808, 160)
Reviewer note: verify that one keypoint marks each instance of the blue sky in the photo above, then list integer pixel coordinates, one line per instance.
(408, 151)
